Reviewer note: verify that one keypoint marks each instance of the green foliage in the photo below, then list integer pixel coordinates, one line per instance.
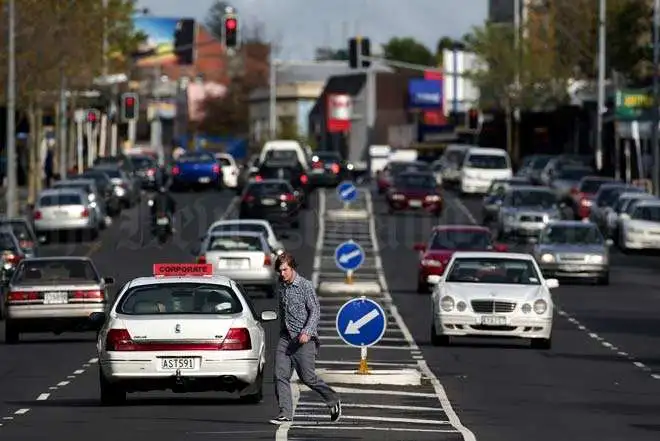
(214, 17)
(408, 50)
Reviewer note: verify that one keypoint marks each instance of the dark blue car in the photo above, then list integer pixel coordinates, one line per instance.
(197, 169)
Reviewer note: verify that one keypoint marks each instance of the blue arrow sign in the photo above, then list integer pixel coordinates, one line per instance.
(361, 322)
(347, 191)
(349, 256)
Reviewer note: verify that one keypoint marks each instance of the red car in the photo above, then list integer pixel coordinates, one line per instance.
(415, 191)
(444, 241)
(584, 193)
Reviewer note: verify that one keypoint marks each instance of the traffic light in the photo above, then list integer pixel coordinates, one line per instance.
(473, 119)
(230, 31)
(92, 116)
(358, 48)
(130, 107)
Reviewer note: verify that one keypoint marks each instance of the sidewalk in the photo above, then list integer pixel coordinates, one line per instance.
(22, 201)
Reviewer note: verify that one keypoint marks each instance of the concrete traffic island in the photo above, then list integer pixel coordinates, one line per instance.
(364, 288)
(347, 214)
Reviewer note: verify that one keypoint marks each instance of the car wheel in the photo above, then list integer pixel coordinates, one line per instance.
(12, 335)
(438, 340)
(541, 343)
(257, 396)
(111, 394)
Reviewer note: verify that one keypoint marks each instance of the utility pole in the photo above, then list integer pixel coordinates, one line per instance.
(272, 94)
(63, 126)
(105, 37)
(11, 197)
(602, 16)
(656, 101)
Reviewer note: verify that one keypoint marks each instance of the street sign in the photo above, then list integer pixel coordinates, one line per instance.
(361, 322)
(347, 192)
(633, 104)
(349, 256)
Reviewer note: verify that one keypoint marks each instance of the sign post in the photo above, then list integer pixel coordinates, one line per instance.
(347, 193)
(361, 322)
(349, 256)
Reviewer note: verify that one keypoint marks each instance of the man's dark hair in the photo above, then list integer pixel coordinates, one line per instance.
(287, 258)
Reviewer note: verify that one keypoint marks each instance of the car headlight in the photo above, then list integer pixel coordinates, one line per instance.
(526, 308)
(350, 166)
(594, 259)
(461, 306)
(540, 306)
(447, 303)
(547, 258)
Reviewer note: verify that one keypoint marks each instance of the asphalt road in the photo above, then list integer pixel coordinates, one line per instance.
(601, 379)
(49, 384)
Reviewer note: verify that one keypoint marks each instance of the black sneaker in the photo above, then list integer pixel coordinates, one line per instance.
(335, 412)
(280, 420)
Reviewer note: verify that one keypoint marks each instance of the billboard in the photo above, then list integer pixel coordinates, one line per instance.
(168, 41)
(424, 94)
(340, 111)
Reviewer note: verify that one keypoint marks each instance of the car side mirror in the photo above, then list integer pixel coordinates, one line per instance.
(419, 247)
(433, 279)
(109, 280)
(552, 283)
(96, 320)
(268, 316)
(609, 242)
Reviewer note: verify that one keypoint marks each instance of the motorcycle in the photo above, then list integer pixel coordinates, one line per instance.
(162, 225)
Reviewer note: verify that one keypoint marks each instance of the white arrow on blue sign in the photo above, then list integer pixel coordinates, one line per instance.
(349, 256)
(361, 322)
(347, 191)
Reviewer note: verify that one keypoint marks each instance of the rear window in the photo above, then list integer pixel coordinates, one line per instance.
(73, 184)
(7, 242)
(252, 228)
(328, 156)
(112, 173)
(60, 199)
(415, 181)
(179, 298)
(196, 157)
(55, 272)
(224, 162)
(592, 185)
(234, 243)
(492, 162)
(21, 230)
(281, 155)
(269, 188)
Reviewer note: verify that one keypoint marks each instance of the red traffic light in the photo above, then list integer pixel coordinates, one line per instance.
(231, 24)
(91, 116)
(130, 101)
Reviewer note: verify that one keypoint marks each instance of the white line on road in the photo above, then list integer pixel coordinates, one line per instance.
(43, 397)
(375, 418)
(63, 383)
(78, 371)
(373, 406)
(21, 411)
(316, 426)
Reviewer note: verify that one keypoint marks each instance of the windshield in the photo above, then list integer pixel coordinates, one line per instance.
(415, 182)
(234, 243)
(7, 242)
(252, 228)
(592, 185)
(270, 189)
(565, 235)
(21, 230)
(574, 174)
(460, 240)
(647, 213)
(545, 199)
(72, 184)
(60, 199)
(224, 162)
(56, 272)
(196, 157)
(493, 270)
(179, 298)
(491, 162)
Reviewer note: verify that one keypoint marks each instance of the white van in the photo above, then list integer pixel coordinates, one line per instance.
(281, 148)
(481, 166)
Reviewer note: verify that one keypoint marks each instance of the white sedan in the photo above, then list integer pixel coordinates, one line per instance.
(183, 330)
(486, 294)
(253, 225)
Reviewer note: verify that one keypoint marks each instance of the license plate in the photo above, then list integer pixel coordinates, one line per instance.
(179, 363)
(233, 264)
(317, 171)
(493, 320)
(415, 203)
(163, 221)
(56, 298)
(205, 180)
(61, 214)
(268, 201)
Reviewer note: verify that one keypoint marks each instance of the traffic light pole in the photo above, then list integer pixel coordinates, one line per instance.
(10, 195)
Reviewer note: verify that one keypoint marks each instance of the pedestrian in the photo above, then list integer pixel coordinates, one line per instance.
(298, 344)
(48, 167)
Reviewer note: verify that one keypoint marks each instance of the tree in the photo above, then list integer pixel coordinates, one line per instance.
(408, 50)
(446, 43)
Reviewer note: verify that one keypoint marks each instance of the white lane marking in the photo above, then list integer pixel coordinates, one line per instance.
(63, 383)
(7, 418)
(571, 319)
(656, 376)
(316, 426)
(371, 363)
(43, 397)
(70, 377)
(52, 387)
(375, 418)
(463, 209)
(78, 371)
(21, 411)
(93, 360)
(372, 406)
(440, 392)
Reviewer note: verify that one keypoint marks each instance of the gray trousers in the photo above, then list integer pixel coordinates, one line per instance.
(291, 355)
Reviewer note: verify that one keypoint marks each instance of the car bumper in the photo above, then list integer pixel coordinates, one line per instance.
(43, 318)
(467, 325)
(562, 271)
(43, 226)
(324, 178)
(472, 186)
(415, 206)
(197, 180)
(641, 242)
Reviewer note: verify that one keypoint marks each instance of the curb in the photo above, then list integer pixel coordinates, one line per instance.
(344, 214)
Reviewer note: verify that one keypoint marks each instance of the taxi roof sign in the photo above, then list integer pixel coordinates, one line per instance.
(183, 269)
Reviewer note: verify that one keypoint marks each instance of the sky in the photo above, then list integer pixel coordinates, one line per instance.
(300, 26)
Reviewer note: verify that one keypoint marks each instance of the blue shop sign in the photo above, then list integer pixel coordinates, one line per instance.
(425, 94)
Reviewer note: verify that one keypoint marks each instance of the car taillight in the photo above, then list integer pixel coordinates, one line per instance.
(201, 259)
(119, 340)
(151, 172)
(258, 178)
(11, 258)
(429, 261)
(303, 179)
(248, 198)
(22, 296)
(287, 197)
(94, 294)
(237, 339)
(335, 168)
(317, 164)
(176, 170)
(267, 260)
(26, 244)
(84, 213)
(216, 168)
(37, 215)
